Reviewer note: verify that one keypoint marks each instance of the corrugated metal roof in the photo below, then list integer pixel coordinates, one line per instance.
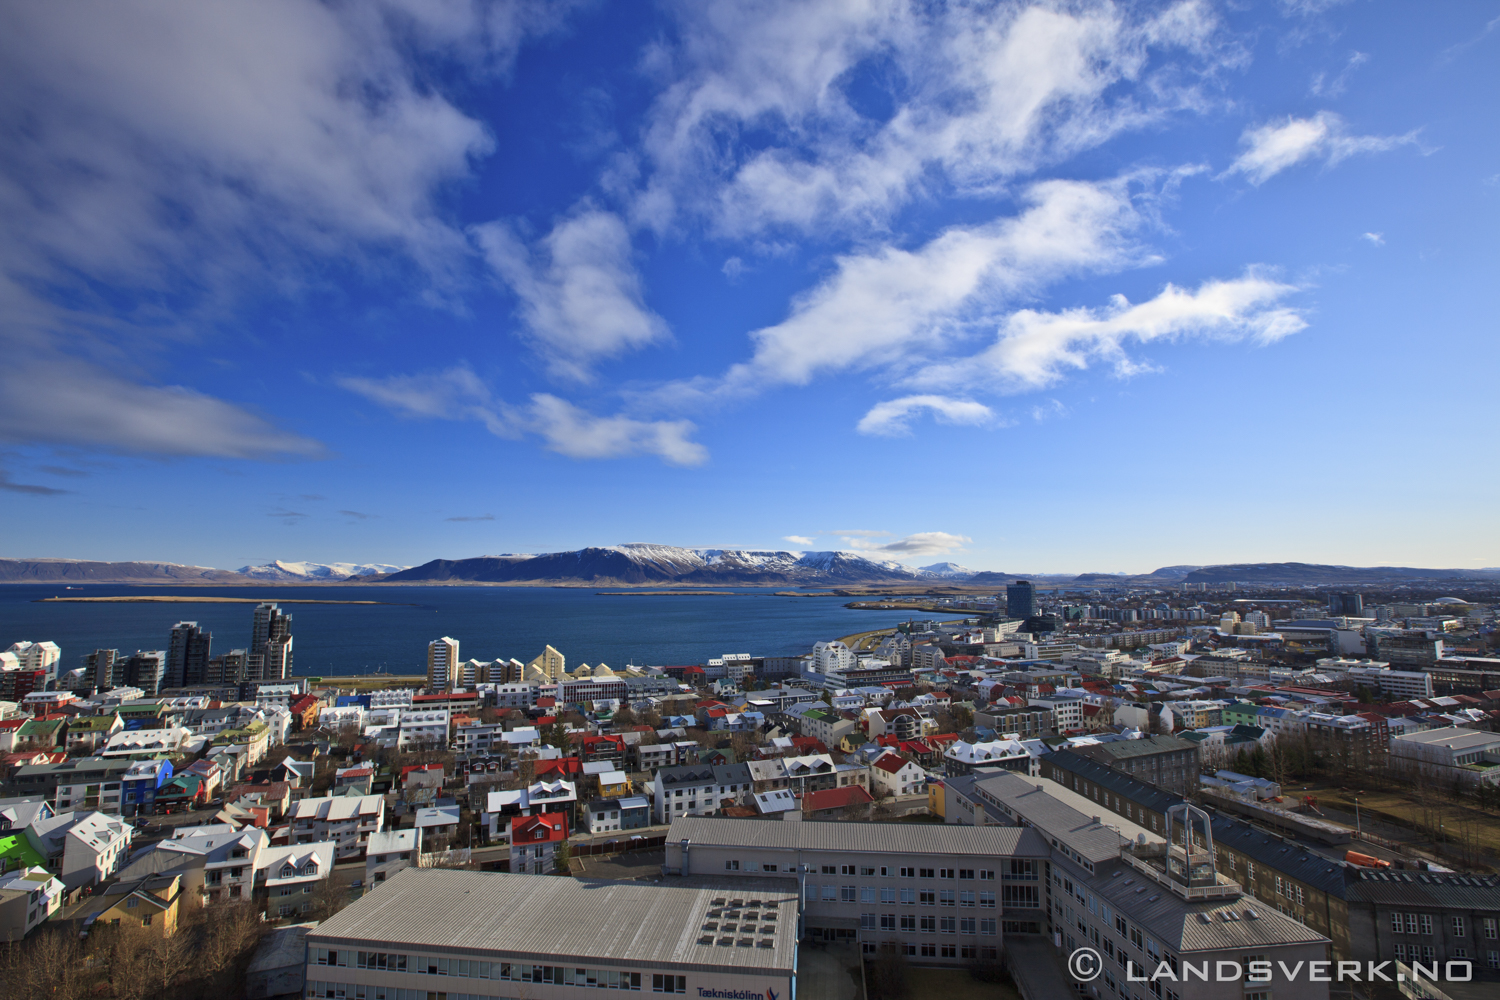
(545, 918)
(1437, 889)
(1086, 833)
(1270, 851)
(888, 838)
(1178, 926)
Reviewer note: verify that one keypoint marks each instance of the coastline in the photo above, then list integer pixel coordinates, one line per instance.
(175, 599)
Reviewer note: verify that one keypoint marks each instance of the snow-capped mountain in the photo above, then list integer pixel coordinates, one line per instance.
(948, 570)
(307, 571)
(644, 563)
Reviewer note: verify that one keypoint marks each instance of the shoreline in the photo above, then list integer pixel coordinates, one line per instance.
(175, 599)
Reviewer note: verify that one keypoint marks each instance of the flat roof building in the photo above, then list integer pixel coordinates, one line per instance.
(488, 934)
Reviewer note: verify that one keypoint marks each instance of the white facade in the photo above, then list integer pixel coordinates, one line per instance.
(347, 820)
(428, 726)
(832, 656)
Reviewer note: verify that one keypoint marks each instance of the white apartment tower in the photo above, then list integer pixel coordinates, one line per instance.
(443, 664)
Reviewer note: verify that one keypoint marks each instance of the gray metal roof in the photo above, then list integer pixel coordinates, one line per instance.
(1177, 925)
(1118, 782)
(1125, 749)
(543, 917)
(1290, 859)
(1086, 833)
(885, 838)
(1435, 889)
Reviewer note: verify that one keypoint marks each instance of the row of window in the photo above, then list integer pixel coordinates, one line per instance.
(926, 925)
(1019, 870)
(924, 897)
(1425, 954)
(1421, 923)
(463, 968)
(359, 991)
(934, 950)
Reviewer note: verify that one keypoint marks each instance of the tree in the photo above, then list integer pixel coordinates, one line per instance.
(563, 858)
(887, 975)
(624, 717)
(50, 965)
(328, 898)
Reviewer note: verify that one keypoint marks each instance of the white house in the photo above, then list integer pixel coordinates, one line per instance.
(83, 848)
(427, 727)
(389, 851)
(348, 820)
(893, 774)
(293, 874)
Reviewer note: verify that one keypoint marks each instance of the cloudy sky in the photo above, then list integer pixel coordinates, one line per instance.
(1024, 287)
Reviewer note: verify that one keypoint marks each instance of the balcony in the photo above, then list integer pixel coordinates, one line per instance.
(1223, 887)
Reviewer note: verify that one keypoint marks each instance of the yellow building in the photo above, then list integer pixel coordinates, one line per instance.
(936, 798)
(548, 667)
(151, 902)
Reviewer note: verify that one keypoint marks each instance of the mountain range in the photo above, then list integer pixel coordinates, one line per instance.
(644, 565)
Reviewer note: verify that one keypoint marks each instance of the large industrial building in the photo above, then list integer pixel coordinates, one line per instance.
(473, 935)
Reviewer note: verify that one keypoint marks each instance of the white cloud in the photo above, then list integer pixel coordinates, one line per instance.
(1035, 349)
(179, 154)
(891, 417)
(459, 394)
(800, 540)
(1273, 147)
(923, 543)
(806, 116)
(581, 299)
(1324, 87)
(880, 306)
(88, 405)
(1378, 239)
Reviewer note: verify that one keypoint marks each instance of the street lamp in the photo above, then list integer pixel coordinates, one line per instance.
(1358, 830)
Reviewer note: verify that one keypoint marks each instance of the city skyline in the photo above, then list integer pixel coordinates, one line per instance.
(1103, 289)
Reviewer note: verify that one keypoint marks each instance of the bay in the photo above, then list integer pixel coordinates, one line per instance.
(489, 622)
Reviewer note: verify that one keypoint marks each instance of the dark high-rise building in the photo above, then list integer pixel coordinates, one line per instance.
(1020, 600)
(104, 668)
(1352, 605)
(187, 656)
(270, 656)
(144, 670)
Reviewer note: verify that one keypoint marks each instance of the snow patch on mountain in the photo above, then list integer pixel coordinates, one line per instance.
(294, 571)
(947, 570)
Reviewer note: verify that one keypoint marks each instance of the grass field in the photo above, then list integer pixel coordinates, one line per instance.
(955, 984)
(1404, 809)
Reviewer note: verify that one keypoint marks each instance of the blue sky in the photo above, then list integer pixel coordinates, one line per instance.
(1024, 287)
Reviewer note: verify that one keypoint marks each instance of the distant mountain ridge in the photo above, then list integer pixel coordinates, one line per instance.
(645, 563)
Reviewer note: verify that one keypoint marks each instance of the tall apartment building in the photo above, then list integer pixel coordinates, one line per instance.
(1020, 599)
(443, 664)
(270, 656)
(36, 656)
(188, 654)
(100, 668)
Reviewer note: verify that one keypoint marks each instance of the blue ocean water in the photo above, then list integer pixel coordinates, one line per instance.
(489, 622)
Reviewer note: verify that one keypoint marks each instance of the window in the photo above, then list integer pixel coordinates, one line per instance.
(846, 869)
(928, 872)
(983, 874)
(929, 925)
(908, 922)
(830, 893)
(948, 925)
(908, 948)
(929, 951)
(987, 926)
(929, 897)
(867, 921)
(908, 873)
(732, 866)
(987, 899)
(847, 893)
(945, 897)
(132, 903)
(966, 925)
(866, 895)
(966, 873)
(1458, 927)
(885, 872)
(146, 920)
(811, 893)
(966, 898)
(887, 895)
(947, 873)
(830, 870)
(887, 921)
(1426, 920)
(668, 984)
(1489, 929)
(908, 895)
(1395, 923)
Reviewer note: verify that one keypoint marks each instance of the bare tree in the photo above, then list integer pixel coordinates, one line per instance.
(328, 898)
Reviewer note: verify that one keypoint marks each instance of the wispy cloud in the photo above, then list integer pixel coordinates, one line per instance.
(189, 154)
(892, 417)
(357, 515)
(1322, 86)
(1378, 239)
(1036, 349)
(11, 486)
(581, 298)
(801, 540)
(459, 394)
(923, 543)
(1275, 146)
(477, 517)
